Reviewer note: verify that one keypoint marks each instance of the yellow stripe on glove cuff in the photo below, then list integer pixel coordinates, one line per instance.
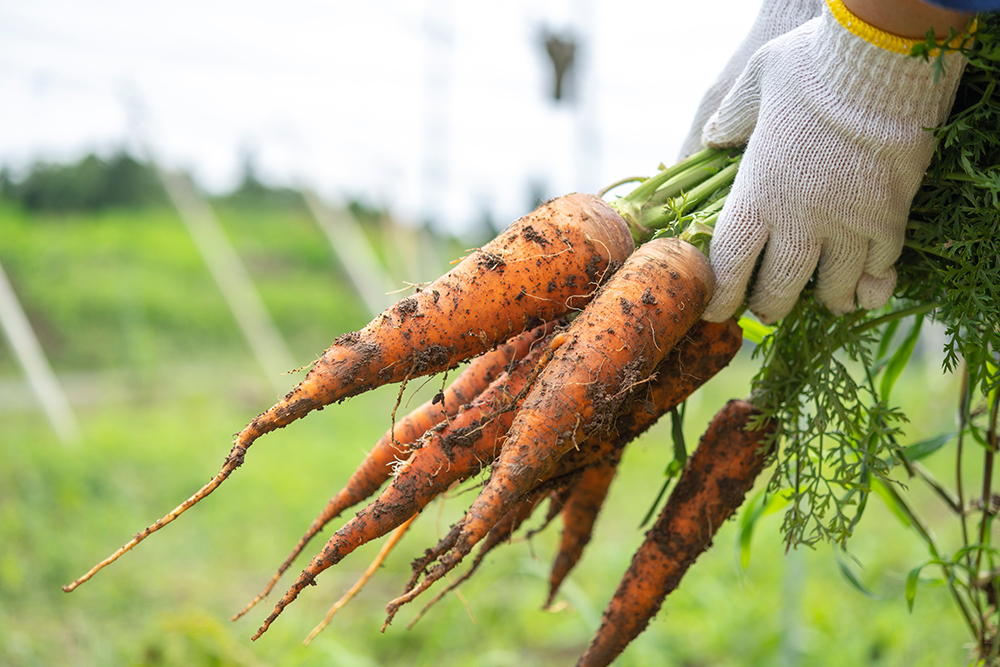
(879, 37)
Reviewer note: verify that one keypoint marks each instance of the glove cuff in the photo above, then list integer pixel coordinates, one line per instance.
(879, 37)
(872, 80)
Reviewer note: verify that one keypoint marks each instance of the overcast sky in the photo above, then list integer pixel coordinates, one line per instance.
(433, 108)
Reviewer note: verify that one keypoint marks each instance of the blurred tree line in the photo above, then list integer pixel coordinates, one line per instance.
(120, 181)
(95, 184)
(92, 184)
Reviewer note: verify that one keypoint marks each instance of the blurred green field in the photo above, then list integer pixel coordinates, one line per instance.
(161, 379)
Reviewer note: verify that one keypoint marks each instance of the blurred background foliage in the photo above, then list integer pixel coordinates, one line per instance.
(160, 378)
(92, 184)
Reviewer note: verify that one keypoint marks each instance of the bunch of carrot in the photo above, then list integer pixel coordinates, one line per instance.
(579, 342)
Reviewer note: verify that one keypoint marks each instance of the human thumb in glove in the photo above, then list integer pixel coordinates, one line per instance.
(775, 17)
(836, 146)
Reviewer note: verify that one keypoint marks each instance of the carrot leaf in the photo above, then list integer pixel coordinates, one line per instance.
(899, 359)
(912, 578)
(851, 576)
(756, 509)
(925, 448)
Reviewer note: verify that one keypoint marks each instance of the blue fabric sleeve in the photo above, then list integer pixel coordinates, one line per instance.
(967, 5)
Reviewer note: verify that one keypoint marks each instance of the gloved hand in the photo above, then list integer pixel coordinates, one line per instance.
(776, 17)
(836, 149)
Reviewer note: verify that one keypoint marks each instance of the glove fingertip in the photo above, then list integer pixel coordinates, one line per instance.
(723, 304)
(715, 136)
(769, 317)
(839, 309)
(770, 307)
(875, 292)
(838, 305)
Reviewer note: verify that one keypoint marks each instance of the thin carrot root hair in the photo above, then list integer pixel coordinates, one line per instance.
(501, 533)
(160, 523)
(556, 490)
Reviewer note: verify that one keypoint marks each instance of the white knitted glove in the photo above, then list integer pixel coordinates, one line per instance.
(776, 17)
(837, 149)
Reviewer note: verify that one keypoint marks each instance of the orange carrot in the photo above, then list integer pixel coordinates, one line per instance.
(611, 349)
(395, 445)
(700, 355)
(459, 450)
(706, 349)
(539, 268)
(712, 486)
(579, 514)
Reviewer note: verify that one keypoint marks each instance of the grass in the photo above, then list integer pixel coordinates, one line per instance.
(126, 292)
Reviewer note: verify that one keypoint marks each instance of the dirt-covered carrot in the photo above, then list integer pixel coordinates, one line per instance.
(541, 267)
(611, 349)
(712, 486)
(460, 449)
(700, 355)
(579, 515)
(706, 349)
(395, 445)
